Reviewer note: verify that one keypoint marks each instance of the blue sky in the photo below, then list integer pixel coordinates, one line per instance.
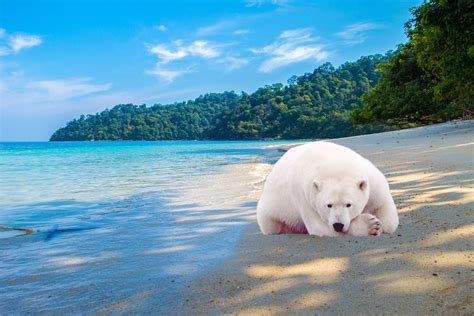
(60, 59)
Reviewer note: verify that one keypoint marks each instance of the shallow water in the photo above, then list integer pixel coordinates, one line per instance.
(117, 229)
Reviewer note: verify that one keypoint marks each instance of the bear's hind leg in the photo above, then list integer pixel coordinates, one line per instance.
(269, 226)
(266, 217)
(293, 229)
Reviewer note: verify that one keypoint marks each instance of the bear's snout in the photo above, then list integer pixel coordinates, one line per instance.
(338, 227)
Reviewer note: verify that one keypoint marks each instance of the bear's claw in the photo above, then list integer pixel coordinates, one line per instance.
(375, 226)
(365, 225)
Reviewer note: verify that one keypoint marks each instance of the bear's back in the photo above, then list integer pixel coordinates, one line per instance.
(325, 157)
(296, 170)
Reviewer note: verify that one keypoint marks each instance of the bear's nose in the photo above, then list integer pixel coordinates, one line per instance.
(338, 227)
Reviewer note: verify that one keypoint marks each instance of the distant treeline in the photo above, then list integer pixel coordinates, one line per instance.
(429, 79)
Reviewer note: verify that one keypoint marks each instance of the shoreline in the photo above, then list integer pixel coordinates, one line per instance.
(125, 252)
(218, 207)
(422, 267)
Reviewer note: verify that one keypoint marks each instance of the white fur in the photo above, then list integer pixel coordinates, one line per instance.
(309, 177)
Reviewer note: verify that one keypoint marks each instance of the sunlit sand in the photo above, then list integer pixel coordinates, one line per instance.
(425, 267)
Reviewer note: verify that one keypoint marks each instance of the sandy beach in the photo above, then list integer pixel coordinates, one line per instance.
(199, 251)
(424, 268)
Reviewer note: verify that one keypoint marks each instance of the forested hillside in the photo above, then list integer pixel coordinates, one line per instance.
(184, 120)
(431, 78)
(314, 105)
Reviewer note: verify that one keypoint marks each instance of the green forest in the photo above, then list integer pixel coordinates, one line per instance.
(431, 78)
(317, 104)
(427, 80)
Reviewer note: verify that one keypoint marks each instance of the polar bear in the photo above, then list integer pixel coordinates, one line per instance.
(326, 189)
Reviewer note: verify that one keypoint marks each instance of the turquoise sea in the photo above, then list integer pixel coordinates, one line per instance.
(110, 221)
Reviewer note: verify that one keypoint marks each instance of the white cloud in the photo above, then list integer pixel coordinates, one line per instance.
(162, 28)
(18, 42)
(177, 50)
(29, 113)
(214, 28)
(14, 43)
(18, 90)
(356, 33)
(292, 46)
(203, 49)
(233, 63)
(297, 34)
(67, 89)
(258, 3)
(166, 55)
(227, 26)
(167, 75)
(241, 32)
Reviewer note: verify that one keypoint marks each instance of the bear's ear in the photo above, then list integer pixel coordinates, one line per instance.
(362, 185)
(317, 185)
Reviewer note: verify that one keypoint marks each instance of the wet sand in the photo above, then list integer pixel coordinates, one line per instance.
(425, 267)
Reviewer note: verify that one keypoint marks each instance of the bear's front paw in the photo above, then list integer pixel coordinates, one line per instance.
(365, 225)
(375, 225)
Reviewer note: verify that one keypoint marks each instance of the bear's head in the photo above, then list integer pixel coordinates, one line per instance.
(338, 202)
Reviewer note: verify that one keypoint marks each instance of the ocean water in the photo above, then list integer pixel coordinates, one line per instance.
(121, 226)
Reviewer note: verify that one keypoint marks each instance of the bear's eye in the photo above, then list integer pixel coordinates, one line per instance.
(329, 205)
(348, 205)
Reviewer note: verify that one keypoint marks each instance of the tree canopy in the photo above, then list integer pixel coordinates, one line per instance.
(184, 120)
(431, 78)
